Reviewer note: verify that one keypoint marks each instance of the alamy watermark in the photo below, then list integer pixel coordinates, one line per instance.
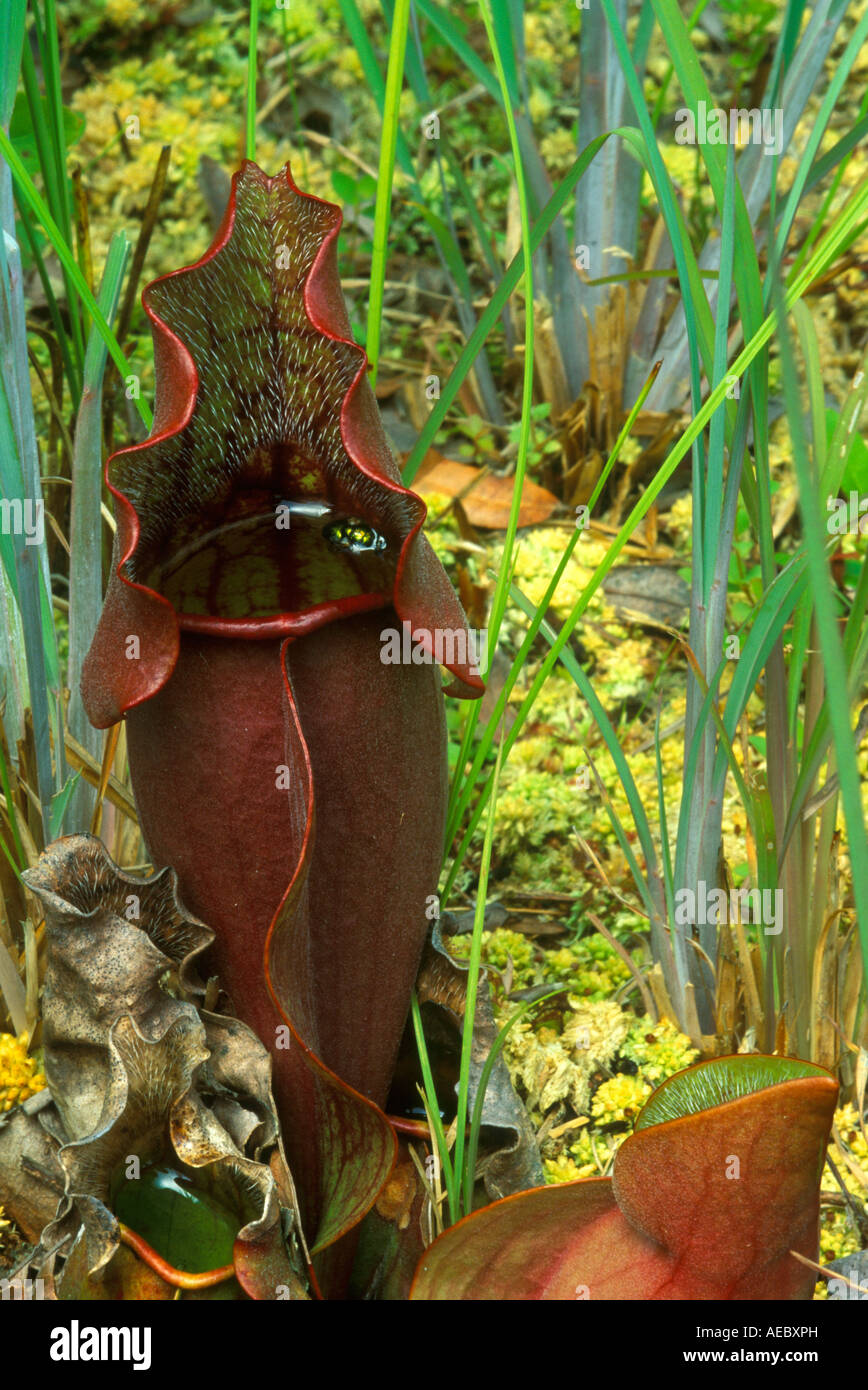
(23, 518)
(446, 646)
(714, 906)
(77, 1343)
(22, 1290)
(847, 518)
(740, 126)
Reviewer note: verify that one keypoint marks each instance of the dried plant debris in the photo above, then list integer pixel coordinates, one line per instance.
(156, 1164)
(555, 1066)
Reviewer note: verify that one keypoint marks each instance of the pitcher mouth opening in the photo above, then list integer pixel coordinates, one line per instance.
(271, 552)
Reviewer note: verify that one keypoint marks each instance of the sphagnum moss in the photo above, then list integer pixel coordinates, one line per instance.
(838, 1233)
(20, 1074)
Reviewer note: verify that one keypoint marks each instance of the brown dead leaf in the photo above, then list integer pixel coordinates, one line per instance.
(488, 501)
(654, 595)
(137, 1070)
(395, 1202)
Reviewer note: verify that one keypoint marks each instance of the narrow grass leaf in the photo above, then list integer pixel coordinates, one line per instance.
(30, 194)
(433, 1107)
(385, 175)
(830, 643)
(85, 563)
(250, 113)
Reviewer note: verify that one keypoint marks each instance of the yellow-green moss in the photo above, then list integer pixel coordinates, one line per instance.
(498, 947)
(619, 1101)
(554, 1066)
(838, 1235)
(20, 1075)
(591, 968)
(658, 1049)
(592, 1153)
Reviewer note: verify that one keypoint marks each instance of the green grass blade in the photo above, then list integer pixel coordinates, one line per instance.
(452, 1187)
(755, 169)
(698, 841)
(446, 242)
(85, 564)
(11, 813)
(492, 312)
(28, 575)
(53, 148)
(665, 843)
(485, 1077)
(373, 77)
(501, 37)
(12, 15)
(768, 623)
(607, 205)
(816, 538)
(819, 123)
(855, 404)
(474, 966)
(11, 987)
(462, 789)
(71, 367)
(250, 113)
(29, 192)
(819, 261)
(696, 91)
(498, 602)
(21, 490)
(62, 806)
(649, 885)
(452, 32)
(13, 665)
(610, 737)
(385, 175)
(666, 80)
(13, 662)
(699, 333)
(709, 491)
